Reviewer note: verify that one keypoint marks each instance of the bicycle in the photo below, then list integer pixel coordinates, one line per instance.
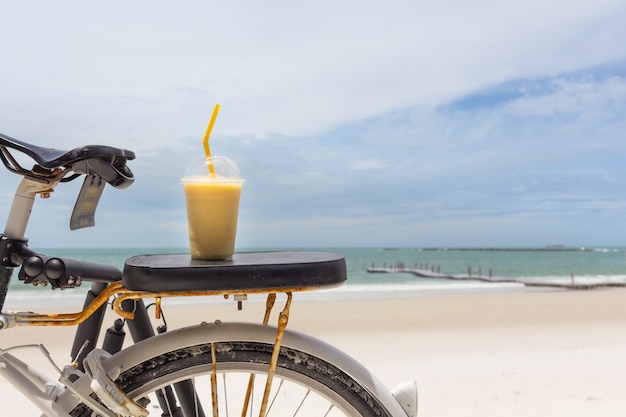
(171, 372)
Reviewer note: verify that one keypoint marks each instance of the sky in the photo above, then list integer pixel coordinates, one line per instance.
(354, 123)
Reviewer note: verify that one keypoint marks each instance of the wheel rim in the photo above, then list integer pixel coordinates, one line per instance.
(292, 393)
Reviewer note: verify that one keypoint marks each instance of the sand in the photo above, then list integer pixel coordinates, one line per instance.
(517, 353)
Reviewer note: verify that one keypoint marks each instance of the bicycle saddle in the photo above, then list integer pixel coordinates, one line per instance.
(108, 162)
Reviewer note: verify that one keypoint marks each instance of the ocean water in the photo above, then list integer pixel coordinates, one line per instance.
(542, 265)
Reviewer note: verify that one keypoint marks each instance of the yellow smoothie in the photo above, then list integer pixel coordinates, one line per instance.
(212, 210)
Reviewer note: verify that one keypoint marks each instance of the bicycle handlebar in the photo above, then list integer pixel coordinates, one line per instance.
(64, 272)
(40, 269)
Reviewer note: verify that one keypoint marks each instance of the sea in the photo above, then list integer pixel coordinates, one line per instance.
(510, 269)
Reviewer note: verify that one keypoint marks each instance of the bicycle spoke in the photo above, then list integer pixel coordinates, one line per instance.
(225, 394)
(196, 400)
(302, 402)
(275, 395)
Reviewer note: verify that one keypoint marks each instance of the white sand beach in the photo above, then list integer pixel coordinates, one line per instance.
(529, 352)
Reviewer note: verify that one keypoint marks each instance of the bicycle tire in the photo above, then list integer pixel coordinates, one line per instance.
(183, 353)
(243, 358)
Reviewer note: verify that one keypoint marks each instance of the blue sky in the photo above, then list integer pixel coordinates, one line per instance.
(404, 123)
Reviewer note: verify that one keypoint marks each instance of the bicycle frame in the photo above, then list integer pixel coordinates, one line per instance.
(42, 391)
(89, 372)
(35, 386)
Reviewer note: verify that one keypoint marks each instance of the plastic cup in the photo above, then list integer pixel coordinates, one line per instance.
(212, 207)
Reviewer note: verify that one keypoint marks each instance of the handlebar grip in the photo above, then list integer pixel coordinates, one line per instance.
(65, 273)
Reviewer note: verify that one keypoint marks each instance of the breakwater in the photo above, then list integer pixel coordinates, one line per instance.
(434, 272)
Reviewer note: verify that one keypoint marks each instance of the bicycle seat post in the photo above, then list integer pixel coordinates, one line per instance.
(16, 224)
(22, 206)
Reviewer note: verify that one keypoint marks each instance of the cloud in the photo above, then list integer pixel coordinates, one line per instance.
(583, 97)
(293, 70)
(352, 122)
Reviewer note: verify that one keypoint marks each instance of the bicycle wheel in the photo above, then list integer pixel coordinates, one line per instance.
(303, 384)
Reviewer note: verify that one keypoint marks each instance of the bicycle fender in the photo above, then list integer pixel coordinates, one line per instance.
(249, 332)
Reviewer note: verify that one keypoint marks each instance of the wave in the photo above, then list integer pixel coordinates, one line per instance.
(604, 250)
(368, 286)
(21, 300)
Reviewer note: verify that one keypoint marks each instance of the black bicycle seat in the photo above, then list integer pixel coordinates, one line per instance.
(54, 158)
(247, 271)
(107, 162)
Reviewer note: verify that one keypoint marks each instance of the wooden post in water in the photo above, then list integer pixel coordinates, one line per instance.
(469, 271)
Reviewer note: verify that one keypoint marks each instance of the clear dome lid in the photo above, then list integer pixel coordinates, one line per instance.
(224, 169)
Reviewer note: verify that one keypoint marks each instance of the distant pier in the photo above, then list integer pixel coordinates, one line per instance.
(435, 273)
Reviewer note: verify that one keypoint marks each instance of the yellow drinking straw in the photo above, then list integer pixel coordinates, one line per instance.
(207, 134)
